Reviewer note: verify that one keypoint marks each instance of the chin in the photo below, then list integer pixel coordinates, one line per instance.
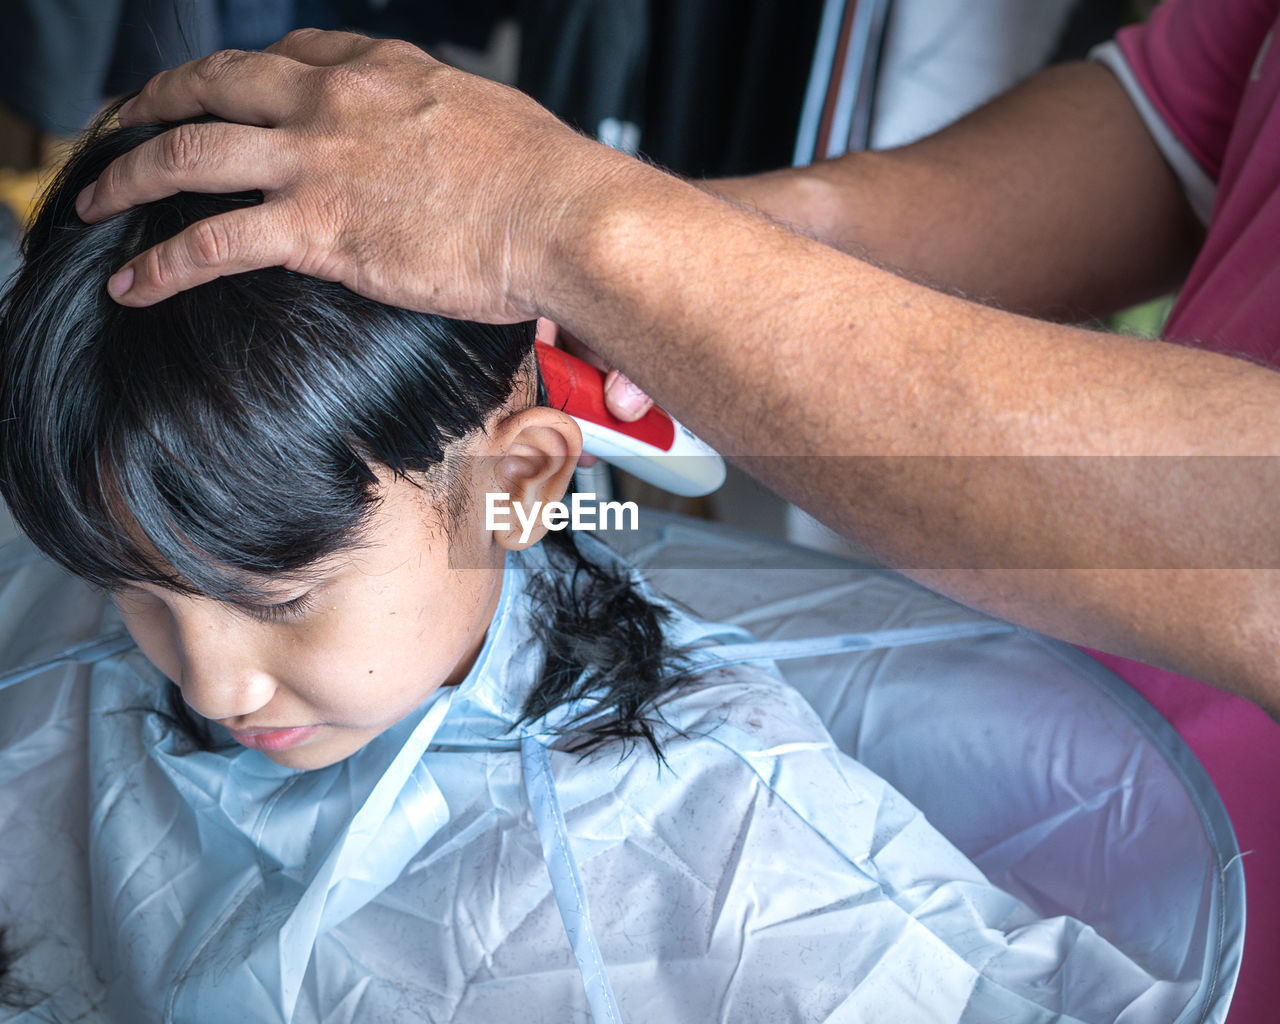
(315, 754)
(304, 759)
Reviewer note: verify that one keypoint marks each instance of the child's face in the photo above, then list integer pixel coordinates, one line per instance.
(381, 629)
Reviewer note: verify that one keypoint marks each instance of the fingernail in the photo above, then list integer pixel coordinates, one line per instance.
(85, 199)
(625, 397)
(123, 113)
(120, 282)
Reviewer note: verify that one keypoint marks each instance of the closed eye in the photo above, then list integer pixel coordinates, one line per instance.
(292, 609)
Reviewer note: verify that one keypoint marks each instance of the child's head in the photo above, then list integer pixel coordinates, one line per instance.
(281, 482)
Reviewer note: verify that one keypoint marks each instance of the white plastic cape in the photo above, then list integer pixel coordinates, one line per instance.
(462, 868)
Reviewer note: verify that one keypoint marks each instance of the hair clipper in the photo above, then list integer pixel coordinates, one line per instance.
(655, 448)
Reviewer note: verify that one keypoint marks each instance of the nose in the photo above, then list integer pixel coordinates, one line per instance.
(219, 693)
(221, 675)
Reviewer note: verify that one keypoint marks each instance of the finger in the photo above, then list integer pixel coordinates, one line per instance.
(230, 243)
(251, 88)
(213, 157)
(623, 398)
(319, 48)
(546, 331)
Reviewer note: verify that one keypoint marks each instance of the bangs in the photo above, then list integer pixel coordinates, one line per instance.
(234, 431)
(206, 505)
(198, 458)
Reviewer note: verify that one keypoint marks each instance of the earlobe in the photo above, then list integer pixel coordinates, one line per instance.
(539, 449)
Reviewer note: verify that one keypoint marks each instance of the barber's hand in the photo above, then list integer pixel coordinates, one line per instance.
(621, 396)
(399, 176)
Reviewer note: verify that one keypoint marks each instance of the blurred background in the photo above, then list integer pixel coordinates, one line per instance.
(703, 87)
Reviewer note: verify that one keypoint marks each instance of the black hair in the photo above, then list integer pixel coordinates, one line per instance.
(237, 430)
(233, 430)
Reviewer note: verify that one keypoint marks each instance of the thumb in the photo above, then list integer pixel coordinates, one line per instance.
(623, 398)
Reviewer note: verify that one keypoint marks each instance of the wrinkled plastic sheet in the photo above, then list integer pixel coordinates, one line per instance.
(1063, 787)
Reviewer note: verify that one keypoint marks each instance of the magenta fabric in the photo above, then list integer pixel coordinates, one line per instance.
(1213, 73)
(1239, 746)
(1204, 66)
(1193, 59)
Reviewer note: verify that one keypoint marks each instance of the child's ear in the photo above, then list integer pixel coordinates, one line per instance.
(539, 451)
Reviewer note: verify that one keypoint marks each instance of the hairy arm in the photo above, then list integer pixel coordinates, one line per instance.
(1101, 489)
(1051, 200)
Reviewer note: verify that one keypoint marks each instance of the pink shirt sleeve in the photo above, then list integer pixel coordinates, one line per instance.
(1192, 58)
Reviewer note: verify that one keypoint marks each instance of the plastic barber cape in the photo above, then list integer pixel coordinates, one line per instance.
(461, 868)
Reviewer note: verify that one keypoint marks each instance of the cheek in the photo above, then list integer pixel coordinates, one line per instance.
(150, 624)
(367, 668)
(430, 633)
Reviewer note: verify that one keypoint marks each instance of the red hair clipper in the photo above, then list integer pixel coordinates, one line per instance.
(655, 447)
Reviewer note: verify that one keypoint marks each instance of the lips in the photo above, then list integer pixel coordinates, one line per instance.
(274, 739)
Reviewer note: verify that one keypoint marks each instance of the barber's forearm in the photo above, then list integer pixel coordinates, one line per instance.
(848, 389)
(1051, 200)
(868, 400)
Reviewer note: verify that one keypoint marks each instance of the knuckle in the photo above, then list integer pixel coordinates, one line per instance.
(208, 244)
(394, 49)
(181, 148)
(299, 35)
(151, 271)
(215, 65)
(340, 80)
